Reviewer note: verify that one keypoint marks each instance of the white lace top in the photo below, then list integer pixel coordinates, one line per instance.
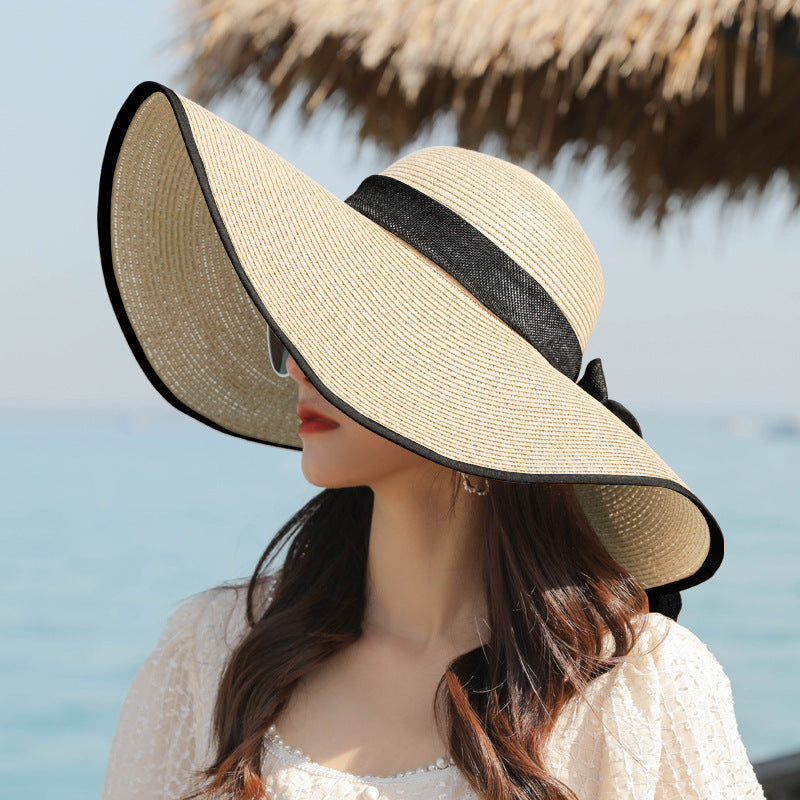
(664, 729)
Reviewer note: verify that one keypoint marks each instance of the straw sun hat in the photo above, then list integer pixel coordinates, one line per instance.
(444, 305)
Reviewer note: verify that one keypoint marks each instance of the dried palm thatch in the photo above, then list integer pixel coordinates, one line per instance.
(664, 87)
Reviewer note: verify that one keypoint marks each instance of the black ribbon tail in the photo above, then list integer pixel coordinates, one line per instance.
(594, 382)
(667, 603)
(624, 415)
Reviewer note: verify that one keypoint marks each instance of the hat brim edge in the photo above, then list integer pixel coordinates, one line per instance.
(113, 146)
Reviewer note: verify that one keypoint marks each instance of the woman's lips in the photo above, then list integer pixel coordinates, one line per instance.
(312, 421)
(316, 426)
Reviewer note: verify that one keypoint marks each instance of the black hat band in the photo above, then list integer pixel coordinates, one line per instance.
(476, 262)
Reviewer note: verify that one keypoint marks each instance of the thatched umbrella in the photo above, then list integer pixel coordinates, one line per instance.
(665, 87)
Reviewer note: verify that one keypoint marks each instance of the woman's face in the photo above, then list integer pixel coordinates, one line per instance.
(350, 454)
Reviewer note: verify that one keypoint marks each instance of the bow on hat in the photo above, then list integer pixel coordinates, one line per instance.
(594, 382)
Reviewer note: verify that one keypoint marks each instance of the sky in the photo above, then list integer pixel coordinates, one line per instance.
(703, 315)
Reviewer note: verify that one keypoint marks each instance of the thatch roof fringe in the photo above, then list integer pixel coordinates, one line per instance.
(538, 74)
(669, 45)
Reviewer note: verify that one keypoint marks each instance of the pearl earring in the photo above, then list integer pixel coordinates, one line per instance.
(474, 489)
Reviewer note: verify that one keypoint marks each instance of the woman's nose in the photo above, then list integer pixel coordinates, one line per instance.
(295, 371)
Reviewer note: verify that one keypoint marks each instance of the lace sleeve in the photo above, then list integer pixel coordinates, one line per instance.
(658, 726)
(703, 756)
(154, 745)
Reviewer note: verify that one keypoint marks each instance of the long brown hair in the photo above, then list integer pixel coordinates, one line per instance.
(553, 591)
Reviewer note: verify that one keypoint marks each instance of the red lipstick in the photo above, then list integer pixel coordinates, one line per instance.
(312, 420)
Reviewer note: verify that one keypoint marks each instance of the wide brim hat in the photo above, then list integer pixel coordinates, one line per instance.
(445, 305)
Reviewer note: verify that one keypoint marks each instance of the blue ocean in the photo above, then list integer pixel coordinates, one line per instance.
(109, 520)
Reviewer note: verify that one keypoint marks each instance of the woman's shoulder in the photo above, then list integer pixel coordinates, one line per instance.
(212, 621)
(667, 667)
(676, 652)
(666, 657)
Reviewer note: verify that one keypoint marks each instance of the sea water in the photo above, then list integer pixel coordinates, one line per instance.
(109, 520)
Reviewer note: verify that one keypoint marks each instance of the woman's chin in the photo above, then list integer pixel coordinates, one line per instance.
(327, 473)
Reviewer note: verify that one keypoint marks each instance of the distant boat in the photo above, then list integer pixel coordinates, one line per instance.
(783, 428)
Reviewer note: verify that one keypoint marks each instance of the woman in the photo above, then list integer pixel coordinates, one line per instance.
(481, 603)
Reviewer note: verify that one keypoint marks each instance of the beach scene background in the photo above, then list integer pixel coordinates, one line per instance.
(114, 507)
(111, 520)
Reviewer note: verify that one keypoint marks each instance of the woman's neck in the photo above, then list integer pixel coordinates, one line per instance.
(424, 568)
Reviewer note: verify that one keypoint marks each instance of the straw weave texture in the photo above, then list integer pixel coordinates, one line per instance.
(200, 330)
(384, 333)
